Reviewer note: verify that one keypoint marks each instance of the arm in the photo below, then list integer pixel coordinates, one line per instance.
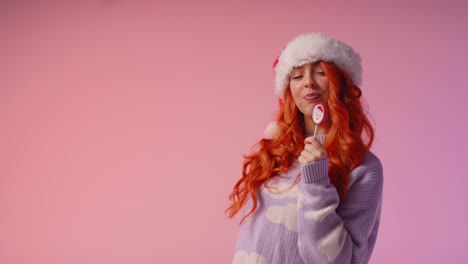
(328, 234)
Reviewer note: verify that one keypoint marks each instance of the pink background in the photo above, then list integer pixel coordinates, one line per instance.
(123, 124)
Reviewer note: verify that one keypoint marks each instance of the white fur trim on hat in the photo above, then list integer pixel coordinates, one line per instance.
(311, 47)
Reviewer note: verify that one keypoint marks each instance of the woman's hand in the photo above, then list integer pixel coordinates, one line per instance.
(313, 151)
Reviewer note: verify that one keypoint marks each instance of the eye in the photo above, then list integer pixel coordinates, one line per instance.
(320, 73)
(297, 77)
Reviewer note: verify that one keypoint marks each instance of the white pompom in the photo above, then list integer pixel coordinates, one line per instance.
(271, 130)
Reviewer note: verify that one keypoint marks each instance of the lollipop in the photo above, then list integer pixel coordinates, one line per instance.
(318, 115)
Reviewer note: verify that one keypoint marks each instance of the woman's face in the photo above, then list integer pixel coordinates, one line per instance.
(309, 86)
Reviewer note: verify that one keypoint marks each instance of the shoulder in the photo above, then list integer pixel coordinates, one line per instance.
(372, 161)
(370, 169)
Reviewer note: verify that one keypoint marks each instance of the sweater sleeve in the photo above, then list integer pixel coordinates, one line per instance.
(332, 234)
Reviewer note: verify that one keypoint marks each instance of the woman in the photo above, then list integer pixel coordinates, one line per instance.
(306, 198)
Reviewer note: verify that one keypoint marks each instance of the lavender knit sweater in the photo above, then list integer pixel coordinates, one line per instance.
(302, 223)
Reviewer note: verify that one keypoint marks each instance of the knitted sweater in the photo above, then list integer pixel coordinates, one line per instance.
(302, 223)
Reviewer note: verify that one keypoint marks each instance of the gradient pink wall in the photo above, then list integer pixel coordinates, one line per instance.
(123, 124)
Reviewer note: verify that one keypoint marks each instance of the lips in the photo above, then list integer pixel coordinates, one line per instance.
(312, 96)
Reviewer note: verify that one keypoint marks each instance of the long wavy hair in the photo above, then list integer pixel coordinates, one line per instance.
(349, 138)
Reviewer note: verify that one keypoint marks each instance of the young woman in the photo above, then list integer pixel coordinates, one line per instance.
(306, 198)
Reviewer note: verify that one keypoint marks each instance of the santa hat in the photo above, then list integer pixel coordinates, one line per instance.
(312, 47)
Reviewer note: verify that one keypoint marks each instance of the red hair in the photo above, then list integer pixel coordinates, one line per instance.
(344, 143)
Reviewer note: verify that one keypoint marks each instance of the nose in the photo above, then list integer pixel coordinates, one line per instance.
(309, 81)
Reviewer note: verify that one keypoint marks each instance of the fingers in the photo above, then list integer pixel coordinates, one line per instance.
(302, 160)
(313, 151)
(313, 140)
(312, 154)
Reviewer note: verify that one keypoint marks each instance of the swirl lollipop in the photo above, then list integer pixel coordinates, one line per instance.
(318, 115)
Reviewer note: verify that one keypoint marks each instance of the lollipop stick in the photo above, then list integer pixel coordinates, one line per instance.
(315, 131)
